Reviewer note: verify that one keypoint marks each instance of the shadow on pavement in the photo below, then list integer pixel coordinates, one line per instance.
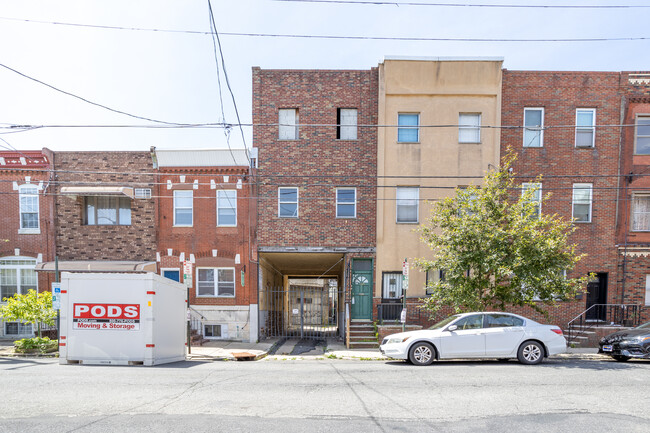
(584, 364)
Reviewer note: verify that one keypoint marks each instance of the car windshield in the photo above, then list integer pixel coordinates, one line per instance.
(444, 322)
(644, 326)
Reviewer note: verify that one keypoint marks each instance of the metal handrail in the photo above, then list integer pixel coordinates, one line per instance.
(615, 314)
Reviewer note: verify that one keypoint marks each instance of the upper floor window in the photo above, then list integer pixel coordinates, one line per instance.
(408, 130)
(469, 128)
(216, 282)
(28, 209)
(642, 135)
(585, 127)
(17, 276)
(536, 198)
(346, 203)
(582, 198)
(227, 208)
(107, 211)
(641, 213)
(346, 120)
(288, 123)
(288, 202)
(407, 204)
(533, 127)
(183, 207)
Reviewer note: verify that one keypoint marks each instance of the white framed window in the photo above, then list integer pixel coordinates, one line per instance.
(392, 285)
(407, 200)
(533, 127)
(469, 128)
(288, 124)
(215, 282)
(288, 202)
(642, 135)
(585, 127)
(647, 290)
(29, 209)
(641, 213)
(346, 120)
(536, 198)
(346, 202)
(17, 276)
(171, 273)
(142, 193)
(227, 208)
(582, 198)
(408, 127)
(183, 208)
(107, 211)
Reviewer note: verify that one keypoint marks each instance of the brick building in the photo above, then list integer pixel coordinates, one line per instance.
(317, 145)
(26, 229)
(206, 232)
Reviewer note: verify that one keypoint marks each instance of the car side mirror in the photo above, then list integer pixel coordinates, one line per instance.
(452, 328)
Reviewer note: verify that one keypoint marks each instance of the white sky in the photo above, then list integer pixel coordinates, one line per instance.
(172, 76)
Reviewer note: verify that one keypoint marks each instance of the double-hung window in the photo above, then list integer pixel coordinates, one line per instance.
(535, 199)
(216, 282)
(346, 120)
(408, 127)
(585, 127)
(107, 211)
(469, 128)
(582, 198)
(288, 202)
(288, 123)
(346, 203)
(392, 285)
(641, 213)
(227, 208)
(17, 276)
(533, 127)
(183, 207)
(642, 135)
(28, 196)
(407, 204)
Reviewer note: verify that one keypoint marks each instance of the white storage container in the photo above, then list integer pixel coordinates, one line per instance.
(122, 319)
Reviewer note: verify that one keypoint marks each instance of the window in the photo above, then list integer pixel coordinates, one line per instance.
(107, 211)
(17, 328)
(212, 331)
(172, 274)
(346, 203)
(17, 276)
(434, 276)
(183, 208)
(495, 320)
(227, 208)
(469, 128)
(142, 193)
(647, 289)
(408, 130)
(288, 202)
(641, 213)
(216, 282)
(346, 119)
(642, 135)
(407, 202)
(28, 209)
(536, 196)
(582, 194)
(585, 127)
(393, 285)
(470, 322)
(533, 127)
(288, 124)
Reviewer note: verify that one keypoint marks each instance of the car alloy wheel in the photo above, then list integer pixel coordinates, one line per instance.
(421, 354)
(530, 353)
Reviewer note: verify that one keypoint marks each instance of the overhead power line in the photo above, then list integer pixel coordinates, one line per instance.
(466, 5)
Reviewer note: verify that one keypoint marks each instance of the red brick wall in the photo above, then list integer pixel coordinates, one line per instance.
(76, 241)
(315, 155)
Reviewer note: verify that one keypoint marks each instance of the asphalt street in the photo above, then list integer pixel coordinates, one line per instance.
(580, 395)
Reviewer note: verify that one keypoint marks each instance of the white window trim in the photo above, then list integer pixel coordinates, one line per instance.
(32, 230)
(540, 128)
(634, 196)
(468, 127)
(18, 274)
(591, 201)
(174, 209)
(235, 198)
(384, 289)
(532, 185)
(592, 127)
(297, 202)
(417, 128)
(341, 125)
(296, 132)
(179, 270)
(346, 203)
(636, 135)
(216, 281)
(647, 290)
(417, 200)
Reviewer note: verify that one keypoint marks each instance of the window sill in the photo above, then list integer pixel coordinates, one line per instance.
(186, 226)
(225, 226)
(287, 218)
(582, 222)
(216, 296)
(585, 147)
(470, 142)
(408, 142)
(347, 139)
(533, 147)
(346, 218)
(29, 231)
(407, 222)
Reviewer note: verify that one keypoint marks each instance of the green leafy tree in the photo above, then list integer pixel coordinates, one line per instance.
(497, 250)
(32, 307)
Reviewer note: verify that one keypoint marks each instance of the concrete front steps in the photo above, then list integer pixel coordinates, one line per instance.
(590, 336)
(362, 335)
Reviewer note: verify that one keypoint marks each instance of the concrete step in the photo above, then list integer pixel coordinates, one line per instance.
(364, 345)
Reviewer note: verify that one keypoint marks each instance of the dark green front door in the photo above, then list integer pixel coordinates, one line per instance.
(361, 290)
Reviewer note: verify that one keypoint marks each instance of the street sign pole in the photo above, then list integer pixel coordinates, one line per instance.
(405, 286)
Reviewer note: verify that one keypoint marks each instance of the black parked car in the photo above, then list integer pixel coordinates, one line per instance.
(631, 343)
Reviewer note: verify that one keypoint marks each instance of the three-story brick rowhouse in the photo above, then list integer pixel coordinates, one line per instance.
(26, 229)
(206, 232)
(570, 137)
(316, 137)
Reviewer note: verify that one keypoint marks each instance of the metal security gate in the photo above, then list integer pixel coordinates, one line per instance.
(301, 311)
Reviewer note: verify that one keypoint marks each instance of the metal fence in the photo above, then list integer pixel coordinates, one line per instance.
(301, 311)
(391, 312)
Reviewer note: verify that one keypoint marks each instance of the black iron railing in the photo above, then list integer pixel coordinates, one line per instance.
(391, 312)
(603, 315)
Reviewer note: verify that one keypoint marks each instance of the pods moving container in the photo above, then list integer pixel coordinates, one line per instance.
(121, 319)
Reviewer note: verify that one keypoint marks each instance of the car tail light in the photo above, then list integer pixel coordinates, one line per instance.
(558, 331)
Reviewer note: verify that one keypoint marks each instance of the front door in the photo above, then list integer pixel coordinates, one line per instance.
(361, 290)
(597, 297)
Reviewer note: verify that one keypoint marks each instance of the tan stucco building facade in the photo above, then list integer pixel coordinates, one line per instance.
(427, 156)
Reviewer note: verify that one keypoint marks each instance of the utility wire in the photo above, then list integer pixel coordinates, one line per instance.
(465, 5)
